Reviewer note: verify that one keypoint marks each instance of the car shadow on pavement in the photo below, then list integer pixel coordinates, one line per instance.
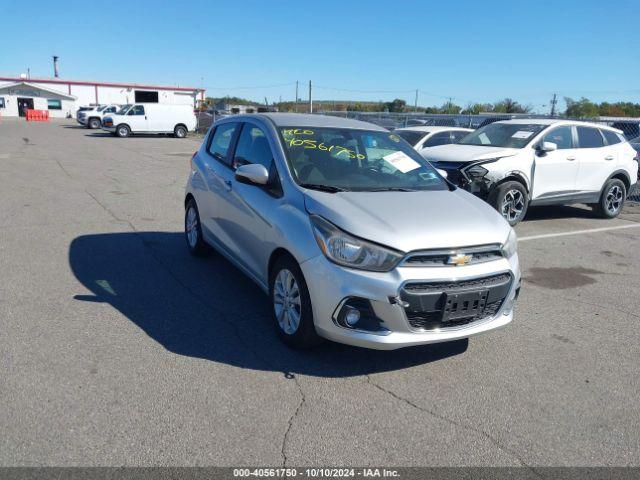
(206, 308)
(557, 212)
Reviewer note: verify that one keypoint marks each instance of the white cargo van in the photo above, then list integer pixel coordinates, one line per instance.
(151, 118)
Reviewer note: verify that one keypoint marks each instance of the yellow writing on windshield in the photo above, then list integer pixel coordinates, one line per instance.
(335, 149)
(297, 131)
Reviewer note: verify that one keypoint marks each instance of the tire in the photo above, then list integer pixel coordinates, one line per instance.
(285, 306)
(193, 231)
(123, 131)
(612, 199)
(180, 131)
(511, 200)
(94, 123)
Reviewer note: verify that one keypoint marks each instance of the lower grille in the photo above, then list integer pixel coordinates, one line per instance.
(425, 302)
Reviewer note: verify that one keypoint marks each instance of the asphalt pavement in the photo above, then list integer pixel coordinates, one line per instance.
(117, 348)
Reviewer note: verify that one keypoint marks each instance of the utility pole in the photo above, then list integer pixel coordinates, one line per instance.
(310, 99)
(554, 101)
(295, 104)
(415, 105)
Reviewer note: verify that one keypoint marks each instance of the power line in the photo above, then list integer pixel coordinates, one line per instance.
(252, 88)
(362, 91)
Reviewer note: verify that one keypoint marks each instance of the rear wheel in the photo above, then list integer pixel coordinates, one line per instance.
(511, 200)
(612, 199)
(291, 305)
(180, 131)
(123, 131)
(94, 123)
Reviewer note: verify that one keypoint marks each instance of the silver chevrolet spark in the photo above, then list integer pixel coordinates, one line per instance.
(355, 237)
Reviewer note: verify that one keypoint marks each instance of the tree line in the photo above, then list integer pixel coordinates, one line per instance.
(582, 108)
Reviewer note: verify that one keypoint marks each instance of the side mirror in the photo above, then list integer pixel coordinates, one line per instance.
(442, 172)
(547, 147)
(252, 173)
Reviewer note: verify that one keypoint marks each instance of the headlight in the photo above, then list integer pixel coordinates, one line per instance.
(344, 249)
(510, 247)
(476, 172)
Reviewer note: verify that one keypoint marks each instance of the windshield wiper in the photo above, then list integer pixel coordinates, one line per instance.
(391, 189)
(323, 188)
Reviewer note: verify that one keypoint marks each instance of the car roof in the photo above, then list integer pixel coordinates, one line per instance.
(554, 121)
(427, 128)
(311, 120)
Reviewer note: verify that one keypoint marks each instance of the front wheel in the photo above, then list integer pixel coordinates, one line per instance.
(180, 132)
(94, 123)
(291, 305)
(123, 131)
(612, 199)
(511, 200)
(193, 230)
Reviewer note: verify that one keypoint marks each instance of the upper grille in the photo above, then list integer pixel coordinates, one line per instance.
(439, 258)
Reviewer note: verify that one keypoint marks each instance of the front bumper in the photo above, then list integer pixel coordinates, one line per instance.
(329, 286)
(82, 120)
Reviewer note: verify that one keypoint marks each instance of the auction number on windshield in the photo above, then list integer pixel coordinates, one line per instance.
(314, 145)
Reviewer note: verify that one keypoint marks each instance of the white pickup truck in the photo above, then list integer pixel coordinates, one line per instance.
(91, 117)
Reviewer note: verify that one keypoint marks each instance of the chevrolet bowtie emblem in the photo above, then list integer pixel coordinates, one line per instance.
(459, 259)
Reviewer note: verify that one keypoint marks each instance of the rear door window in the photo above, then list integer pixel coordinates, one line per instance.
(221, 141)
(589, 138)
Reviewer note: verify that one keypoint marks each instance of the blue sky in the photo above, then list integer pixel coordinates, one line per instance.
(478, 51)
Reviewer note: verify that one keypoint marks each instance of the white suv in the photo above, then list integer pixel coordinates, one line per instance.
(92, 117)
(516, 163)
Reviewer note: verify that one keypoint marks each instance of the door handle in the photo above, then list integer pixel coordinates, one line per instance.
(571, 158)
(227, 184)
(609, 157)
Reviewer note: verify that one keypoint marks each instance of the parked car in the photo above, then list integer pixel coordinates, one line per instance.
(151, 118)
(423, 137)
(355, 237)
(92, 117)
(517, 163)
(86, 108)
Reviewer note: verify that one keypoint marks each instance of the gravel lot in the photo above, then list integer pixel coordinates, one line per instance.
(118, 348)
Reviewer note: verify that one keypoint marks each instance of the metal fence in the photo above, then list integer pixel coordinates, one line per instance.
(629, 126)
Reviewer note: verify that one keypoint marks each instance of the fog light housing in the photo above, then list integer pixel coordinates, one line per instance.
(357, 313)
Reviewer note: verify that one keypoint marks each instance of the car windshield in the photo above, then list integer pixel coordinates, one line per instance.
(508, 135)
(102, 108)
(123, 109)
(335, 159)
(412, 136)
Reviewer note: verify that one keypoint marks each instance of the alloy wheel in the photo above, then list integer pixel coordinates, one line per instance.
(512, 205)
(191, 226)
(286, 301)
(614, 199)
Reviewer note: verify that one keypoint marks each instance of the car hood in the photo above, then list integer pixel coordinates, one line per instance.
(410, 221)
(465, 153)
